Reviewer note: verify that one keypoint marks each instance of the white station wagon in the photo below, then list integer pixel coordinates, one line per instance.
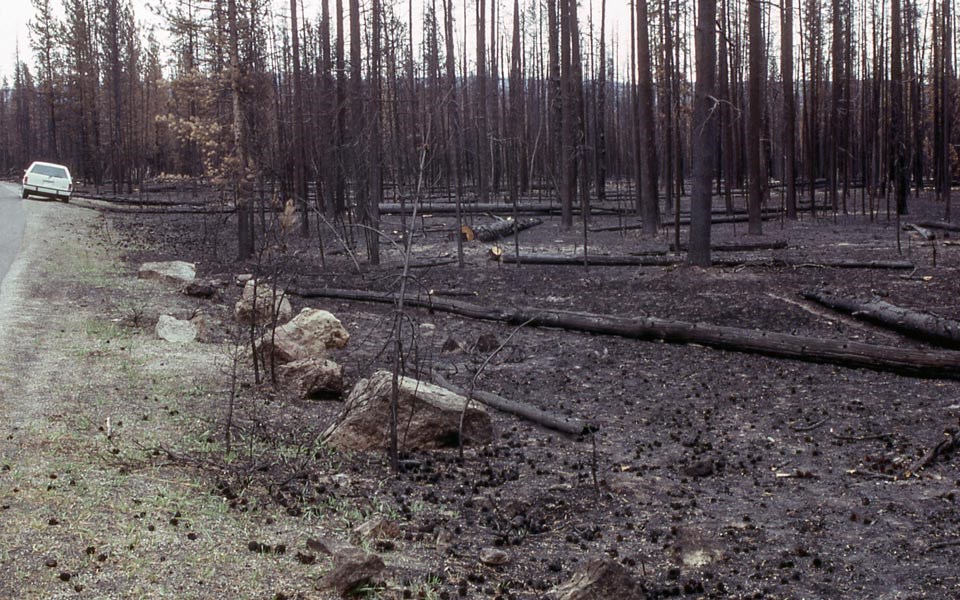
(47, 180)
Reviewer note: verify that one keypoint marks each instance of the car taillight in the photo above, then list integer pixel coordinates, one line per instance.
(24, 179)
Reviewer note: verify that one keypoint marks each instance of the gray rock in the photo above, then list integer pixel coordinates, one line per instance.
(601, 578)
(175, 272)
(269, 303)
(313, 378)
(176, 331)
(377, 528)
(429, 417)
(204, 289)
(494, 557)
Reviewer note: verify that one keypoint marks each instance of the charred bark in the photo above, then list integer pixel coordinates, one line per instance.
(488, 232)
(938, 364)
(922, 326)
(535, 415)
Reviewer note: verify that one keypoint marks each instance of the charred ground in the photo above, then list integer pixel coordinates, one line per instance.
(710, 473)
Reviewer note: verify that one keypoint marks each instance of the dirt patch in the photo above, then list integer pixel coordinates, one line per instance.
(712, 474)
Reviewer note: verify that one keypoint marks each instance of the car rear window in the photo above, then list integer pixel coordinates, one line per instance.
(49, 171)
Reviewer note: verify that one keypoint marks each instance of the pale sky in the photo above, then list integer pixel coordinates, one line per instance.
(15, 14)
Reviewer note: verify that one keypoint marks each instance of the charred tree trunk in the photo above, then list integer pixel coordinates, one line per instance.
(455, 135)
(789, 110)
(899, 170)
(245, 240)
(755, 116)
(646, 143)
(938, 364)
(601, 110)
(376, 150)
(918, 325)
(489, 232)
(300, 195)
(704, 132)
(947, 107)
(483, 141)
(568, 127)
(535, 415)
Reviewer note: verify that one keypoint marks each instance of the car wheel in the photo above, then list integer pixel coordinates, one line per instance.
(24, 194)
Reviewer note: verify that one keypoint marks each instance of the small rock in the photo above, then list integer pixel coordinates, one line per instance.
(494, 557)
(352, 569)
(200, 321)
(487, 343)
(445, 539)
(244, 278)
(321, 546)
(701, 468)
(427, 329)
(601, 578)
(176, 331)
(451, 346)
(175, 272)
(204, 289)
(377, 528)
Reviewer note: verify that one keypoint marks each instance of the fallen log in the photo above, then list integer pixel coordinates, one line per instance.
(473, 208)
(501, 228)
(631, 260)
(921, 231)
(178, 209)
(939, 225)
(856, 264)
(550, 421)
(918, 325)
(937, 364)
(716, 220)
(428, 264)
(741, 247)
(593, 260)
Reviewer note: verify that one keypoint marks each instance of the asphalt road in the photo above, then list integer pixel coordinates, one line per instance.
(11, 226)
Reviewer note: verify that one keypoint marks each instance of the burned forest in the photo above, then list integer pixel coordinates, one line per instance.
(502, 299)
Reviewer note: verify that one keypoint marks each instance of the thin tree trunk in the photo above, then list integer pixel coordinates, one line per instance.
(947, 106)
(704, 132)
(299, 153)
(755, 116)
(244, 213)
(900, 172)
(789, 111)
(646, 143)
(376, 150)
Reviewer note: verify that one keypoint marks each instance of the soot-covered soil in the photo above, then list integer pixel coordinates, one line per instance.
(710, 474)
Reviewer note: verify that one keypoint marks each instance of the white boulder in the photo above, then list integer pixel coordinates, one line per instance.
(176, 331)
(176, 272)
(308, 335)
(428, 417)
